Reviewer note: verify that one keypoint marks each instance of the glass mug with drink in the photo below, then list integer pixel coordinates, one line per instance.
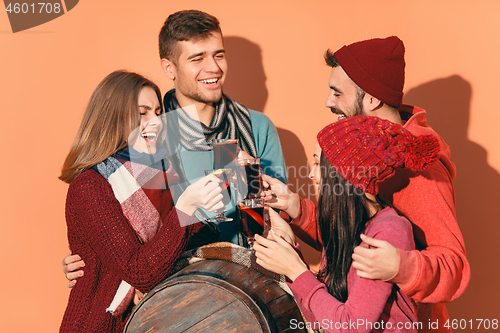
(253, 220)
(250, 178)
(225, 151)
(224, 181)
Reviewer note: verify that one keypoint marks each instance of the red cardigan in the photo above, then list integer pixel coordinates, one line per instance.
(438, 271)
(103, 237)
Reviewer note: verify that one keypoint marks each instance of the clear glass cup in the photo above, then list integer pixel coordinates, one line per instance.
(224, 176)
(250, 178)
(253, 220)
(225, 152)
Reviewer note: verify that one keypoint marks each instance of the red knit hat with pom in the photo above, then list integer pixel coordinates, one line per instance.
(367, 150)
(377, 66)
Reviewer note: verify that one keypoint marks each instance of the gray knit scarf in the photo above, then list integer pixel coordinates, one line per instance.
(231, 121)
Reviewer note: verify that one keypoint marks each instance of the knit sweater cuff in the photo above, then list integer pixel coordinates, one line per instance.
(304, 225)
(299, 216)
(185, 219)
(408, 271)
(304, 286)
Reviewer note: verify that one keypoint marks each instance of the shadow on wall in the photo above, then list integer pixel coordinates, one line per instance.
(246, 80)
(246, 83)
(447, 102)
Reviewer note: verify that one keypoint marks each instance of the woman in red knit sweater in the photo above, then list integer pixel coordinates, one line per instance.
(352, 156)
(119, 210)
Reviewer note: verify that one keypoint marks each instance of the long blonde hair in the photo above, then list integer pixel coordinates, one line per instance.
(111, 114)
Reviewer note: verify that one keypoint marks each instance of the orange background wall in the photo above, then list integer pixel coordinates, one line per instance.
(275, 51)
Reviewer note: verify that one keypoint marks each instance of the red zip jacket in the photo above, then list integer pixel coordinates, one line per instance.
(438, 271)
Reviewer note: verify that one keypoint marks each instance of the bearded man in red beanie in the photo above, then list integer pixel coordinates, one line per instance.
(367, 78)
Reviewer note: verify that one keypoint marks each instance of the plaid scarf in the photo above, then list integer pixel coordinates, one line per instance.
(128, 173)
(227, 252)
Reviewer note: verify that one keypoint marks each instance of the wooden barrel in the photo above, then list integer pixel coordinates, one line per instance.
(215, 296)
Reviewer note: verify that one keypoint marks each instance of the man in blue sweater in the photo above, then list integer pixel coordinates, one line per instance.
(193, 57)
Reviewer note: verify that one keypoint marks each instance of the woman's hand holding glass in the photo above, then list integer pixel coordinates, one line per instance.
(277, 252)
(205, 193)
(277, 255)
(281, 227)
(279, 196)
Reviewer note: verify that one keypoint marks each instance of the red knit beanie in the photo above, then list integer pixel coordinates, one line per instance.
(367, 150)
(377, 66)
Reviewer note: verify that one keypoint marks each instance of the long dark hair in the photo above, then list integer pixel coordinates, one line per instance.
(343, 211)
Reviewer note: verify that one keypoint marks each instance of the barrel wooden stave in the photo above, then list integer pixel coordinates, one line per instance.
(215, 296)
(193, 310)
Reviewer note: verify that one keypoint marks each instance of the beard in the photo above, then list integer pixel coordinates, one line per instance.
(197, 94)
(207, 98)
(357, 110)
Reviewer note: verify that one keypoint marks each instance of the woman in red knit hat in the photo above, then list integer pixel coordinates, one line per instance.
(119, 210)
(357, 153)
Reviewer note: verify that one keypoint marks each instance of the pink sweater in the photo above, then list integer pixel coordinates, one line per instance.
(438, 271)
(372, 305)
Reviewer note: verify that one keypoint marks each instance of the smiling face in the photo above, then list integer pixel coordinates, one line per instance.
(143, 139)
(315, 174)
(344, 98)
(199, 71)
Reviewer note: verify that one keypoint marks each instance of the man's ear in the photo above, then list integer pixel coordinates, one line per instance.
(168, 68)
(371, 103)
